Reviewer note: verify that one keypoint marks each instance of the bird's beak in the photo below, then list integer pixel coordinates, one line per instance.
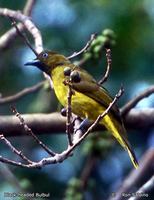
(37, 63)
(34, 62)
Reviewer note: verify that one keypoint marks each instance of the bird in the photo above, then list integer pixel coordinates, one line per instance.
(89, 98)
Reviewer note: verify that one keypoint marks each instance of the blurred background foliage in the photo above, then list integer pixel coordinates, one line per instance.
(66, 25)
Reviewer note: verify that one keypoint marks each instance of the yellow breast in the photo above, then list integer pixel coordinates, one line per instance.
(82, 105)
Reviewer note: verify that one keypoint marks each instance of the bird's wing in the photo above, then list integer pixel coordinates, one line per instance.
(89, 87)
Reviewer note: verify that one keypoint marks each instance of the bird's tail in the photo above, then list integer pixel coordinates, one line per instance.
(118, 131)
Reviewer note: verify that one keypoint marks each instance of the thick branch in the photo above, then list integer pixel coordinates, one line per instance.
(39, 123)
(55, 123)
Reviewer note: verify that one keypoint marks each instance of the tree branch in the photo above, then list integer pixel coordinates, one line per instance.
(27, 42)
(29, 25)
(14, 150)
(22, 93)
(30, 132)
(109, 62)
(69, 115)
(132, 103)
(54, 123)
(84, 49)
(39, 123)
(28, 7)
(9, 36)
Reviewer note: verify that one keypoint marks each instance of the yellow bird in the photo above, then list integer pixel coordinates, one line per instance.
(89, 99)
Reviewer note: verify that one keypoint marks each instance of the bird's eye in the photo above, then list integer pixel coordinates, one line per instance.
(44, 55)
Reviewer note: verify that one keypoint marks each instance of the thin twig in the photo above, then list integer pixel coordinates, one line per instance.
(11, 162)
(22, 93)
(101, 47)
(14, 150)
(109, 62)
(23, 36)
(84, 49)
(29, 131)
(132, 103)
(28, 7)
(69, 114)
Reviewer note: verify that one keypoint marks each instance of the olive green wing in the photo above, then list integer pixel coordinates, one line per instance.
(90, 87)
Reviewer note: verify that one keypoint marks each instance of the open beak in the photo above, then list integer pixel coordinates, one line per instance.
(37, 63)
